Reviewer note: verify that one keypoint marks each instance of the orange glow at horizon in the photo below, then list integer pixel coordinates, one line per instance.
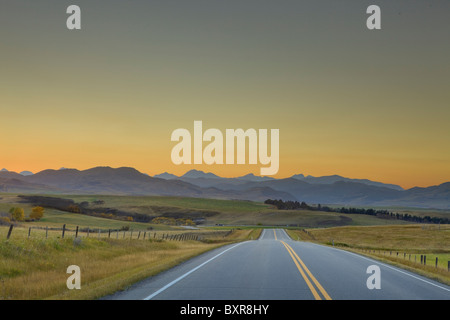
(313, 167)
(347, 101)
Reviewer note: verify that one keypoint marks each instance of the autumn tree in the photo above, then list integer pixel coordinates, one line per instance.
(17, 214)
(37, 213)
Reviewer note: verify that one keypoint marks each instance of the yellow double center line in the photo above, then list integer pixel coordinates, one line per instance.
(302, 268)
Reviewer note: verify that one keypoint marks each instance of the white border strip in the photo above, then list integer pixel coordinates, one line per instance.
(188, 273)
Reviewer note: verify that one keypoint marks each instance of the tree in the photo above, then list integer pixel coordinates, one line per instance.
(37, 213)
(17, 214)
(74, 208)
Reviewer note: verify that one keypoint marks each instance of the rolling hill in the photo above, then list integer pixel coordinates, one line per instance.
(312, 190)
(122, 181)
(332, 189)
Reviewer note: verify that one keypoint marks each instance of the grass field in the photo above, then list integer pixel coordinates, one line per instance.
(226, 212)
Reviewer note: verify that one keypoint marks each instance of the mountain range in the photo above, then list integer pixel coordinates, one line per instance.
(332, 189)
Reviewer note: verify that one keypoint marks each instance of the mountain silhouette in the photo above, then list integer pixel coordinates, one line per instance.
(335, 178)
(121, 181)
(313, 190)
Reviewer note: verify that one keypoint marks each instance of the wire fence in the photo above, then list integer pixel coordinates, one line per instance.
(130, 234)
(430, 260)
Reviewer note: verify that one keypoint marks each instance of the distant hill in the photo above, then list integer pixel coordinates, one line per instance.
(194, 174)
(335, 178)
(166, 176)
(5, 174)
(252, 177)
(13, 185)
(202, 179)
(106, 180)
(313, 190)
(121, 181)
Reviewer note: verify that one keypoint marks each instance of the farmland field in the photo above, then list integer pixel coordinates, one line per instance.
(206, 212)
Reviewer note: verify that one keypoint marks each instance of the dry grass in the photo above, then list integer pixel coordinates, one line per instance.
(35, 268)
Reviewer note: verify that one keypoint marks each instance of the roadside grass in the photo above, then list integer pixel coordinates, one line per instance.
(401, 245)
(35, 267)
(245, 233)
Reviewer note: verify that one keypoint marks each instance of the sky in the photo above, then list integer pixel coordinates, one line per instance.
(347, 100)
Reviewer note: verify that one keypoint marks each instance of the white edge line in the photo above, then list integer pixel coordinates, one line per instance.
(188, 273)
(286, 234)
(387, 266)
(262, 234)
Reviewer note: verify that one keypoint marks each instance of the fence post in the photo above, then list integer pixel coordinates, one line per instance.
(424, 260)
(139, 234)
(109, 233)
(436, 262)
(76, 233)
(63, 230)
(9, 232)
(29, 232)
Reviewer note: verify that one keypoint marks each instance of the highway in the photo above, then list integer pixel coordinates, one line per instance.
(275, 267)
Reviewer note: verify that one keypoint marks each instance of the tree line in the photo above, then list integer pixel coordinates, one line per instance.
(384, 214)
(68, 205)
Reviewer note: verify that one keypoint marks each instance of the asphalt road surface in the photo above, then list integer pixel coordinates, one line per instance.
(274, 267)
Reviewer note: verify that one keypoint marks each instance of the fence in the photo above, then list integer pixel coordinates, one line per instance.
(411, 258)
(119, 234)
